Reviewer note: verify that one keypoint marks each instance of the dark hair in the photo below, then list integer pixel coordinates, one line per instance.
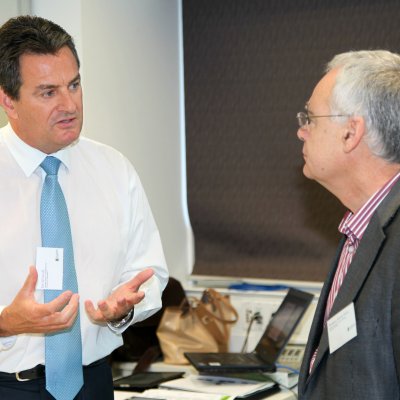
(28, 35)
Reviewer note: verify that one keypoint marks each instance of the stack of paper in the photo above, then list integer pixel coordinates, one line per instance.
(228, 388)
(170, 394)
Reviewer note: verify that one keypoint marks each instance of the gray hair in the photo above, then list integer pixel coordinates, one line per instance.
(368, 85)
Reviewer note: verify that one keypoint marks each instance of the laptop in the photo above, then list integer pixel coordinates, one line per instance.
(269, 347)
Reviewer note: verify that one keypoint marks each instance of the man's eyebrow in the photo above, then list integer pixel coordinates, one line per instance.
(77, 78)
(45, 87)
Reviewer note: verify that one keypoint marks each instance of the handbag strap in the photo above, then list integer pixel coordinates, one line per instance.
(216, 324)
(216, 299)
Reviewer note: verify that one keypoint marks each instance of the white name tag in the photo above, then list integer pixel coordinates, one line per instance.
(342, 327)
(49, 265)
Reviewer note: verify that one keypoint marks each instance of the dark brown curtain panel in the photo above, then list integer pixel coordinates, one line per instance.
(250, 65)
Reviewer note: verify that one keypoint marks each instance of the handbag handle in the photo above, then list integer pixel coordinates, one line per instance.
(189, 304)
(215, 323)
(210, 320)
(215, 298)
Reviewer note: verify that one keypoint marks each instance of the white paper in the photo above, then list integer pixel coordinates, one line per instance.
(342, 327)
(182, 395)
(215, 385)
(49, 265)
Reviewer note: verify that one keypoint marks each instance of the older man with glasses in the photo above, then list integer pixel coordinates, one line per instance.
(351, 134)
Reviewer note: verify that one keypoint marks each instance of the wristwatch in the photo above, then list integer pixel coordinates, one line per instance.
(123, 321)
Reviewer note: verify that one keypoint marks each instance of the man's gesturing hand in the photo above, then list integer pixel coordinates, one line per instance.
(25, 315)
(120, 301)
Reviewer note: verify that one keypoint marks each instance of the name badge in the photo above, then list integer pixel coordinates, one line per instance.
(342, 327)
(49, 265)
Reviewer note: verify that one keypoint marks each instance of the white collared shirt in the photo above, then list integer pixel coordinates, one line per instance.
(113, 231)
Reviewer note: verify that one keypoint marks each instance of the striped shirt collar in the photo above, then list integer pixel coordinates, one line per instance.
(355, 224)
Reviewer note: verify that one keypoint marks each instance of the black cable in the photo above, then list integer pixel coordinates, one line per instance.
(255, 317)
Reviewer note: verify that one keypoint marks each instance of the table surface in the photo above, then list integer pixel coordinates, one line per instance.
(282, 395)
(127, 368)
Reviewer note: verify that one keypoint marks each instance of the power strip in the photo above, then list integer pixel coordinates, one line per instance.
(292, 356)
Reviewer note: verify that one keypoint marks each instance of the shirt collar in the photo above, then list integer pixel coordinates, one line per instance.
(354, 225)
(27, 157)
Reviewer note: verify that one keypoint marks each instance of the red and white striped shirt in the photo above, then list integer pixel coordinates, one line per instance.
(353, 226)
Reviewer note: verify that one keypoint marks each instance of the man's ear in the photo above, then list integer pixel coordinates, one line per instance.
(8, 104)
(353, 133)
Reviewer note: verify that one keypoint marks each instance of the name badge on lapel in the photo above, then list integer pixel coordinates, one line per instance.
(49, 265)
(342, 327)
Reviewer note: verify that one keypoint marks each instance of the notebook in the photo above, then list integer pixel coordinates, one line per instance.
(269, 347)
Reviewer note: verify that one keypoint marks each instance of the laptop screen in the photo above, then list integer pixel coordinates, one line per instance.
(282, 325)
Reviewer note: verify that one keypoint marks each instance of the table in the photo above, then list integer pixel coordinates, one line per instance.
(127, 368)
(283, 395)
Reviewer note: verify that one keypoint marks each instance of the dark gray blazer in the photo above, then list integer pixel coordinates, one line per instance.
(368, 366)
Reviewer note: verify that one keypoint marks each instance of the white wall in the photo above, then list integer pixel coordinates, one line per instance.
(142, 80)
(3, 118)
(132, 74)
(8, 9)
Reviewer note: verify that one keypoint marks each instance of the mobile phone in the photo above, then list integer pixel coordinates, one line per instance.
(139, 381)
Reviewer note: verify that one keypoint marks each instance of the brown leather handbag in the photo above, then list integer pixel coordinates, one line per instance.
(196, 326)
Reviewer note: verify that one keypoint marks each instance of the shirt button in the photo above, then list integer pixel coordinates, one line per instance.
(351, 249)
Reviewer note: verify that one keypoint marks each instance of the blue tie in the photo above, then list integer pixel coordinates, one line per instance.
(64, 376)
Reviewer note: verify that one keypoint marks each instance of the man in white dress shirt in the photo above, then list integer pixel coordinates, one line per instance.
(119, 260)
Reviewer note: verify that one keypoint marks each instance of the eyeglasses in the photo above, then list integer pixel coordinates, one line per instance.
(304, 119)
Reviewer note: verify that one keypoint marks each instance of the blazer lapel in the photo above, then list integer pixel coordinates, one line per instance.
(353, 282)
(318, 320)
(367, 251)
